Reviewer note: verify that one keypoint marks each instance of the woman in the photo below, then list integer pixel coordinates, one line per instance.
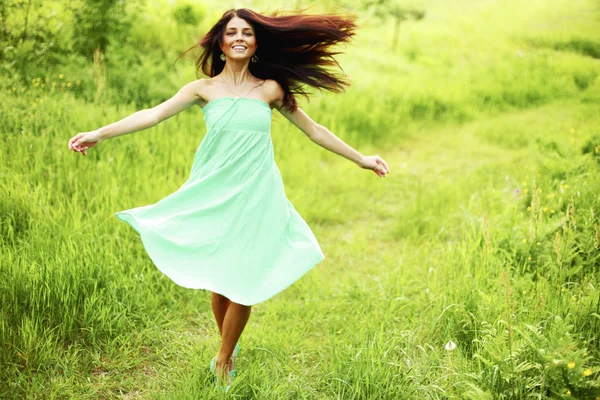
(230, 228)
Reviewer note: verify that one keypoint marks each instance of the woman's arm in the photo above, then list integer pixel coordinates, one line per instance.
(326, 139)
(321, 135)
(143, 119)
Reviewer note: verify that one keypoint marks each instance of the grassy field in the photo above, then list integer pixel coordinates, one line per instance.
(483, 235)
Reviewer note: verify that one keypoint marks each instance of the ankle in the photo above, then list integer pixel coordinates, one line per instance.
(221, 360)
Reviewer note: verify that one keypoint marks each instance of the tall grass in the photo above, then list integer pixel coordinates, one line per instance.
(485, 233)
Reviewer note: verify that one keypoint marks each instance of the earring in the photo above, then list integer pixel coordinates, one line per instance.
(254, 58)
(222, 57)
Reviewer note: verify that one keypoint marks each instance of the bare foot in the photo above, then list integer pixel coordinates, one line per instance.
(221, 373)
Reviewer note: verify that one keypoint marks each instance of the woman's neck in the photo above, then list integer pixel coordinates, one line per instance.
(236, 74)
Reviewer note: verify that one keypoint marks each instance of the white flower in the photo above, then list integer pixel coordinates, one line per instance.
(450, 345)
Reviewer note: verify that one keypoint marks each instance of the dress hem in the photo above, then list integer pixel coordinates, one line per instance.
(212, 288)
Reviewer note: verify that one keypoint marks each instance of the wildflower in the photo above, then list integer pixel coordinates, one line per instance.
(568, 392)
(450, 345)
(52, 90)
(566, 186)
(54, 84)
(37, 99)
(47, 79)
(524, 240)
(539, 175)
(585, 353)
(43, 85)
(597, 149)
(529, 258)
(524, 291)
(524, 183)
(33, 80)
(587, 372)
(572, 130)
(571, 365)
(41, 100)
(551, 211)
(69, 84)
(539, 244)
(78, 81)
(545, 209)
(529, 208)
(60, 76)
(540, 190)
(525, 190)
(14, 89)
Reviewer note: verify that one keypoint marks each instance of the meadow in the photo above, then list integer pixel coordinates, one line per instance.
(472, 271)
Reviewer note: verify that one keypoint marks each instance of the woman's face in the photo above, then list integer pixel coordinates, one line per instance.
(239, 41)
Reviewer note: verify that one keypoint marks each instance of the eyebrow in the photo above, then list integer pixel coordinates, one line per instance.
(242, 28)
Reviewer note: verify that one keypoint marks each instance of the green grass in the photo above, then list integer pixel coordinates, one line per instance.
(481, 105)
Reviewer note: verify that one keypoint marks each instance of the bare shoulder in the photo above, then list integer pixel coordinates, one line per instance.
(274, 92)
(204, 87)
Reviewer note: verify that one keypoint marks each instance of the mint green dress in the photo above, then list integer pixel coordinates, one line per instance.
(230, 228)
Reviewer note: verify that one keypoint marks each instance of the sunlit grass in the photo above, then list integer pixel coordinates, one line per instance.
(484, 234)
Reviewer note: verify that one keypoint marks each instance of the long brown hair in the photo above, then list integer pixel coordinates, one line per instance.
(292, 50)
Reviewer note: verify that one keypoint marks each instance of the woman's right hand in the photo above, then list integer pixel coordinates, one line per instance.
(84, 140)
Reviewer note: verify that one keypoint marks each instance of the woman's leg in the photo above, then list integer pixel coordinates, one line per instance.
(220, 304)
(219, 307)
(235, 320)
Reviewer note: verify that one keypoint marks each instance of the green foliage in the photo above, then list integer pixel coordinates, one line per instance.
(100, 23)
(188, 13)
(485, 233)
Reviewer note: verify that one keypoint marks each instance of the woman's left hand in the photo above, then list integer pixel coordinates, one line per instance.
(375, 163)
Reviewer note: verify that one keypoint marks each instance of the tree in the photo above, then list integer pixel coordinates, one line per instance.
(384, 9)
(98, 23)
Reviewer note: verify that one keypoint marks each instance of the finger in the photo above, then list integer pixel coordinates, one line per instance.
(74, 139)
(380, 160)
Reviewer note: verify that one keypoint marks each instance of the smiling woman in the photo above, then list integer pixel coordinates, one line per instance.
(230, 228)
(236, 44)
(293, 50)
